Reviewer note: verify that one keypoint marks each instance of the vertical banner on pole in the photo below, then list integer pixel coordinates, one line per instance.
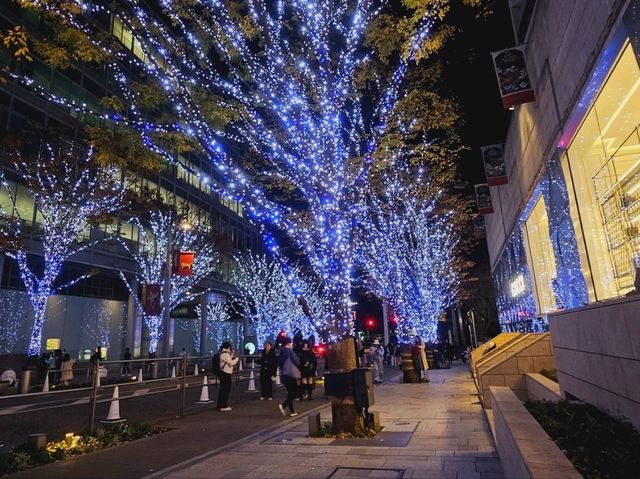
(513, 79)
(494, 167)
(151, 299)
(483, 199)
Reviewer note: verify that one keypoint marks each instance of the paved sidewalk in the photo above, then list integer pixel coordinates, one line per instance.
(431, 431)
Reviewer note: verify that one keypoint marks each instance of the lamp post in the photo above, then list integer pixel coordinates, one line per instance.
(167, 339)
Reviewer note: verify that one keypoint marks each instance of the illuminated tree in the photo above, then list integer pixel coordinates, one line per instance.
(284, 113)
(411, 254)
(70, 192)
(12, 319)
(150, 254)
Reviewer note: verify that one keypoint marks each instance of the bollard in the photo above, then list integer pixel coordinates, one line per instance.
(25, 381)
(154, 370)
(314, 424)
(114, 409)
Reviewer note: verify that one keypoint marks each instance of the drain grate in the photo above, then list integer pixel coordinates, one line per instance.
(351, 472)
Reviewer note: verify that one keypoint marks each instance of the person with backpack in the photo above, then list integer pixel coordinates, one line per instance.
(226, 363)
(290, 370)
(268, 368)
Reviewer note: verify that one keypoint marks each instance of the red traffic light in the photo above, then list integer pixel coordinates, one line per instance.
(393, 320)
(370, 323)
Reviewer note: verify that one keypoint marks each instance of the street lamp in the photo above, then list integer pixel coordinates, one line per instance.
(167, 340)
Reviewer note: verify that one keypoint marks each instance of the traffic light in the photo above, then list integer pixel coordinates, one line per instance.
(370, 323)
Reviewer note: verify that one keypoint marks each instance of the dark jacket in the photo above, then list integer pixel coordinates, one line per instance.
(285, 370)
(268, 363)
(308, 363)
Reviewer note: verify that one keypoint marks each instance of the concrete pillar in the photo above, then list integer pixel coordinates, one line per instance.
(385, 321)
(204, 301)
(134, 323)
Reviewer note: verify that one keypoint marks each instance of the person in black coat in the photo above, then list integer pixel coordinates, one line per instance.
(268, 368)
(308, 367)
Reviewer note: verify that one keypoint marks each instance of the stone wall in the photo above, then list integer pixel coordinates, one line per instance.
(525, 449)
(564, 40)
(597, 351)
(540, 388)
(529, 355)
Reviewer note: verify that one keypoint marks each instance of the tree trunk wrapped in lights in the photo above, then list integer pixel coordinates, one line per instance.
(151, 256)
(411, 253)
(70, 193)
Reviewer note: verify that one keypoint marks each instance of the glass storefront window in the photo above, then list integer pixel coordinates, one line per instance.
(540, 257)
(603, 161)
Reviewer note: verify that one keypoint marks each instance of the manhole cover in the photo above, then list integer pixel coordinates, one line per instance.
(351, 472)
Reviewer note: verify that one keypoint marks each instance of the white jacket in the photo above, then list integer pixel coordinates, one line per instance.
(227, 362)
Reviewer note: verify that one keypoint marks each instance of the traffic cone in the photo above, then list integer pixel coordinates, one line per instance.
(173, 372)
(204, 395)
(195, 373)
(252, 383)
(114, 409)
(140, 379)
(45, 387)
(98, 379)
(278, 377)
(240, 365)
(253, 364)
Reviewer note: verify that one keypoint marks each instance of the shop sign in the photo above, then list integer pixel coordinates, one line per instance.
(151, 299)
(182, 262)
(517, 286)
(184, 311)
(494, 168)
(483, 199)
(513, 79)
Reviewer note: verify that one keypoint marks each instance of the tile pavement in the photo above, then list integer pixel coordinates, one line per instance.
(449, 439)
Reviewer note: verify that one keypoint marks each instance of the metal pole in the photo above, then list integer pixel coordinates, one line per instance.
(184, 386)
(461, 326)
(94, 395)
(166, 297)
(473, 323)
(385, 322)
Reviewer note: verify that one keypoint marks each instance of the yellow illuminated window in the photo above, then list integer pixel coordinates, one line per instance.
(603, 170)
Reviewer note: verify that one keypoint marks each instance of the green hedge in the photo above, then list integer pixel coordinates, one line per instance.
(599, 446)
(22, 457)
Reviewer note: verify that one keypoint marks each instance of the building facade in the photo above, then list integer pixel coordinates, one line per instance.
(100, 311)
(564, 240)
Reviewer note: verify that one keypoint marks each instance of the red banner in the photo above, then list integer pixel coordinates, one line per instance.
(483, 199)
(494, 168)
(182, 262)
(513, 79)
(151, 299)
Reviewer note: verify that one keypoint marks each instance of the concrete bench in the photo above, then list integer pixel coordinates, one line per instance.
(525, 449)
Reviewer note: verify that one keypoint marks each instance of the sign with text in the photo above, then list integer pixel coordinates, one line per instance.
(483, 199)
(513, 79)
(494, 168)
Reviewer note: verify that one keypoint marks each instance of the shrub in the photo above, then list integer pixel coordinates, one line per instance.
(599, 446)
(21, 457)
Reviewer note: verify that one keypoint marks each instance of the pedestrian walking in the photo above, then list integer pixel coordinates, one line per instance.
(228, 360)
(376, 358)
(126, 365)
(290, 370)
(67, 369)
(308, 368)
(420, 360)
(268, 368)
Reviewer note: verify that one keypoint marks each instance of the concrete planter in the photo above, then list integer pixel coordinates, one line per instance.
(526, 450)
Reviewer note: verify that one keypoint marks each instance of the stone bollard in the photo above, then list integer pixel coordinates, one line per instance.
(314, 424)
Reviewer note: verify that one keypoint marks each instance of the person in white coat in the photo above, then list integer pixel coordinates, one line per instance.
(227, 361)
(376, 357)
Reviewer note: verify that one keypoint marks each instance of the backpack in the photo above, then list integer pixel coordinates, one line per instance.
(215, 365)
